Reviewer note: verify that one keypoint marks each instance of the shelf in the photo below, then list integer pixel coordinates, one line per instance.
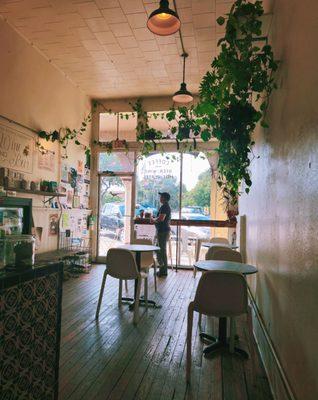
(36, 192)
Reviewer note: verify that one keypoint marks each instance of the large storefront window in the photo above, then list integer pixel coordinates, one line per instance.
(187, 178)
(129, 187)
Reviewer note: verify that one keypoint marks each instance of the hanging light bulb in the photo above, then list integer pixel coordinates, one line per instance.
(163, 21)
(183, 95)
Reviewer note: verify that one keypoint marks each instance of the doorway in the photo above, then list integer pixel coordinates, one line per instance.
(115, 216)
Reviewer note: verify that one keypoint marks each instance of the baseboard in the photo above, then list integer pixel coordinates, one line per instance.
(278, 381)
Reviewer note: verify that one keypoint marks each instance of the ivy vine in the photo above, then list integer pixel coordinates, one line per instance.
(64, 136)
(234, 95)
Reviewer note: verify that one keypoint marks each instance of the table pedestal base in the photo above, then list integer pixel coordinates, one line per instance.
(142, 303)
(221, 344)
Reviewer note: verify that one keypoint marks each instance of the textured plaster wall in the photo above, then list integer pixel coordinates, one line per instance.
(282, 208)
(39, 96)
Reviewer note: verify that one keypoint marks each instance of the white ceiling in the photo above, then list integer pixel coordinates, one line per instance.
(105, 48)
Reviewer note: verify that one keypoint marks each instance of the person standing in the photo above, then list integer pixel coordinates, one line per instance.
(162, 223)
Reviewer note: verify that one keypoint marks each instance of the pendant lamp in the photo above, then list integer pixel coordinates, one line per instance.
(163, 21)
(183, 95)
(117, 143)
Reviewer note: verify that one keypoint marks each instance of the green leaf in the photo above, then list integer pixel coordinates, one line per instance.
(220, 20)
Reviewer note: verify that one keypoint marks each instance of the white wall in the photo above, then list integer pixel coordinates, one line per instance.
(282, 207)
(39, 96)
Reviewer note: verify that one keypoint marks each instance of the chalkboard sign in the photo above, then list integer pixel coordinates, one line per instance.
(16, 149)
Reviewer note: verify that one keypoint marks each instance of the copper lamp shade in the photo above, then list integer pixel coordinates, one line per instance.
(163, 21)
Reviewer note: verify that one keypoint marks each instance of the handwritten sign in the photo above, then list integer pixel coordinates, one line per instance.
(16, 150)
(46, 161)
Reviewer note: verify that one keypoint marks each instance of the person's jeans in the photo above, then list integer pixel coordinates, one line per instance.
(162, 239)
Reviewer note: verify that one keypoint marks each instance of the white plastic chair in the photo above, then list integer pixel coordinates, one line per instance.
(219, 294)
(209, 255)
(226, 254)
(199, 241)
(121, 264)
(184, 241)
(221, 253)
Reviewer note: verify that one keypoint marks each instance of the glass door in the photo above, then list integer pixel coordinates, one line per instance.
(115, 211)
(156, 173)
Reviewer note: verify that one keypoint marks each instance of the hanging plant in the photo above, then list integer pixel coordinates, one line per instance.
(65, 135)
(234, 95)
(233, 99)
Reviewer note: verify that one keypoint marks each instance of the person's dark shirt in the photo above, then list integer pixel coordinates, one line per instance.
(164, 226)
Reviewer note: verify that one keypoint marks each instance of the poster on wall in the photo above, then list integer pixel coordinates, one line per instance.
(64, 173)
(87, 175)
(46, 161)
(65, 221)
(16, 150)
(53, 224)
(69, 198)
(80, 167)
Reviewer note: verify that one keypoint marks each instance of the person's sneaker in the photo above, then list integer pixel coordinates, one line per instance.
(162, 273)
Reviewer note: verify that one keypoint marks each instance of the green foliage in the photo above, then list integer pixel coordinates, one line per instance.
(64, 136)
(234, 97)
(241, 78)
(200, 195)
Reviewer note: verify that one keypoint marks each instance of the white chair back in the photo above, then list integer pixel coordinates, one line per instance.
(121, 264)
(210, 253)
(226, 254)
(221, 294)
(220, 240)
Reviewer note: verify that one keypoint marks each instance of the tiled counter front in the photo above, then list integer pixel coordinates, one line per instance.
(30, 321)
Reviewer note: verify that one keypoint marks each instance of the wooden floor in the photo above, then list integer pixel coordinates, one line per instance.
(113, 359)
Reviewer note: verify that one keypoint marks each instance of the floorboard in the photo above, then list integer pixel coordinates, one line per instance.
(113, 359)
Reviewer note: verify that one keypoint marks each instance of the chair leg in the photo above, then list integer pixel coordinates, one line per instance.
(232, 334)
(136, 306)
(120, 291)
(189, 342)
(194, 271)
(197, 249)
(146, 293)
(155, 275)
(101, 294)
(126, 285)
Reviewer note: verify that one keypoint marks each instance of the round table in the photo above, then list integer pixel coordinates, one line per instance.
(216, 265)
(138, 249)
(221, 342)
(211, 244)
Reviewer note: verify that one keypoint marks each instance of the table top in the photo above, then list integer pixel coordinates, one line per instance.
(215, 265)
(211, 244)
(139, 247)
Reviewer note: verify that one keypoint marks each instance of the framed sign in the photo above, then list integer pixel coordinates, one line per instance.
(16, 149)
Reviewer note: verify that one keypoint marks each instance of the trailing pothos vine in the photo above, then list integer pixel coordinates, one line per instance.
(233, 98)
(234, 95)
(64, 136)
